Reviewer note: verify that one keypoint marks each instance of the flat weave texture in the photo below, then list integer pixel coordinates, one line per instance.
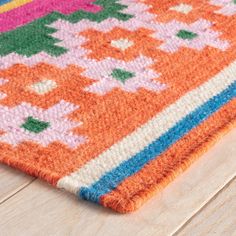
(112, 99)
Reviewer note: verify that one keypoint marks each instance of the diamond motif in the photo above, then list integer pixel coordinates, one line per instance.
(60, 46)
(129, 76)
(199, 35)
(26, 123)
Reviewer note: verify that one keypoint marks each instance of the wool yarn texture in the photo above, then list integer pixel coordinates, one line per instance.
(113, 99)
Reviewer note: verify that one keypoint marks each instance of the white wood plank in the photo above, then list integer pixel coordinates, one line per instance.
(217, 218)
(11, 181)
(42, 210)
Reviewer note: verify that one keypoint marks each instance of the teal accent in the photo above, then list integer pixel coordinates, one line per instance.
(34, 125)
(184, 34)
(122, 75)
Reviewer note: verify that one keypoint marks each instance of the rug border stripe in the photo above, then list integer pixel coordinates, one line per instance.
(110, 180)
(129, 146)
(135, 190)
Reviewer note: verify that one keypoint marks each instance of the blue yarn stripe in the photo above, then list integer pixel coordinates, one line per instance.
(111, 179)
(2, 2)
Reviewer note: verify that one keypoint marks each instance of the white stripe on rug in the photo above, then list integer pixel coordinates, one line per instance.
(150, 131)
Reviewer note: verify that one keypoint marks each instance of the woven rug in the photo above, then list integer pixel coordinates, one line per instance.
(112, 99)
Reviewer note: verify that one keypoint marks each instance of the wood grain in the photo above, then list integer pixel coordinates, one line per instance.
(40, 209)
(11, 181)
(217, 218)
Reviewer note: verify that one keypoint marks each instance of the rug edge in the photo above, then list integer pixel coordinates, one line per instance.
(127, 205)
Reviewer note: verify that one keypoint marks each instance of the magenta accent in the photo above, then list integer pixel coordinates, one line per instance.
(39, 8)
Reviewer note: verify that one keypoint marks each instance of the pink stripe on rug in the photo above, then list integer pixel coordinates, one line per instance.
(39, 8)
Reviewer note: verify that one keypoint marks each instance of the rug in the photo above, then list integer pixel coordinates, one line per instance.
(112, 99)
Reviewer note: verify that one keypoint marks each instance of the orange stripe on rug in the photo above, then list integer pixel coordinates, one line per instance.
(136, 189)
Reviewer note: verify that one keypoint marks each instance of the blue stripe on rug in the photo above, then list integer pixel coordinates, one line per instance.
(111, 179)
(2, 2)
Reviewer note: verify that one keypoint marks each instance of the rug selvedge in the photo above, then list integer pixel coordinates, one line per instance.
(93, 92)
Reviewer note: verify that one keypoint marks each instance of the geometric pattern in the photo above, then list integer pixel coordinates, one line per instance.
(197, 35)
(111, 73)
(96, 95)
(26, 123)
(227, 7)
(43, 8)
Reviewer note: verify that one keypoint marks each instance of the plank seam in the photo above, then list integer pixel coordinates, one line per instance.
(16, 191)
(198, 211)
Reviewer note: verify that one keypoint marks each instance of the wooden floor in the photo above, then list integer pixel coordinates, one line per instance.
(202, 201)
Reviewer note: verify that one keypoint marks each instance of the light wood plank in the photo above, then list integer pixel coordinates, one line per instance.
(11, 181)
(42, 210)
(217, 218)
